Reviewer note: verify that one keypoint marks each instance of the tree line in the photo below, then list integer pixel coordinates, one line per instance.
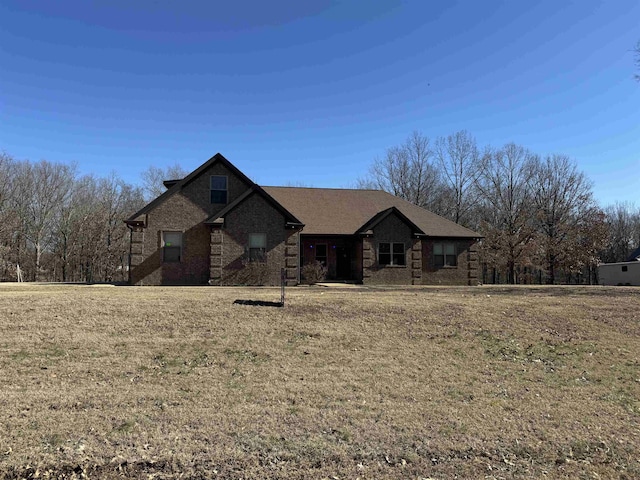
(56, 225)
(537, 214)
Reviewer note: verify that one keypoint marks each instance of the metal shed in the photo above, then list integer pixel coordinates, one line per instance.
(621, 273)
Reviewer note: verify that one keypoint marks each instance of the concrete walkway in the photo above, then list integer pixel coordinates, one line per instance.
(338, 285)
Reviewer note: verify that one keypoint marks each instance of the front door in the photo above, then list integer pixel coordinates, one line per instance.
(343, 263)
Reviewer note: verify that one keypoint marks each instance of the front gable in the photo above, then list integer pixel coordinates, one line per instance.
(195, 188)
(290, 220)
(383, 217)
(253, 214)
(182, 211)
(391, 246)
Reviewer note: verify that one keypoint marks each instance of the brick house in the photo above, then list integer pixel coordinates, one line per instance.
(216, 226)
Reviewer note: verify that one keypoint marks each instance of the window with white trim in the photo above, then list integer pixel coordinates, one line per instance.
(218, 186)
(171, 247)
(444, 255)
(257, 247)
(391, 253)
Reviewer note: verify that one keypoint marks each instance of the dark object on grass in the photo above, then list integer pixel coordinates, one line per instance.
(259, 303)
(264, 303)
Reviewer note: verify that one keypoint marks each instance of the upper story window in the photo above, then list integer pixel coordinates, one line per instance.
(171, 246)
(218, 188)
(444, 255)
(391, 254)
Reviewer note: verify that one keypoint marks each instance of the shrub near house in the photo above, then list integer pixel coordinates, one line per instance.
(216, 226)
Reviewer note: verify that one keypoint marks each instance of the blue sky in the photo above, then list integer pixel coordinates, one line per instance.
(311, 92)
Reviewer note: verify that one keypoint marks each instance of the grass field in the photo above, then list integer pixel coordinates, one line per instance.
(486, 382)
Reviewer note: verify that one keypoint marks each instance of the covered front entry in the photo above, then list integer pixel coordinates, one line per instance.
(342, 255)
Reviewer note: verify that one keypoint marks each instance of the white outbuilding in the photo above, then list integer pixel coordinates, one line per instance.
(621, 273)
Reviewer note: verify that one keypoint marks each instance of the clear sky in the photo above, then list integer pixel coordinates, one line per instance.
(310, 92)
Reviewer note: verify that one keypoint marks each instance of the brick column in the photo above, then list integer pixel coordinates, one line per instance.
(137, 252)
(292, 257)
(215, 256)
(368, 258)
(472, 260)
(416, 262)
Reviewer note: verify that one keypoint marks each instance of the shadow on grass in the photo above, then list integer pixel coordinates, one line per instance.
(258, 303)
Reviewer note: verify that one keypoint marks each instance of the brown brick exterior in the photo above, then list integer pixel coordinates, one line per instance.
(183, 211)
(231, 266)
(217, 254)
(391, 229)
(465, 273)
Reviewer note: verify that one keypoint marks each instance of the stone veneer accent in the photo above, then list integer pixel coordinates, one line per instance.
(416, 262)
(473, 263)
(368, 254)
(216, 246)
(292, 261)
(137, 245)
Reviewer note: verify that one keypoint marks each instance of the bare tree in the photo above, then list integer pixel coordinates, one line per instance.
(92, 238)
(408, 172)
(623, 220)
(459, 160)
(564, 206)
(87, 230)
(117, 200)
(153, 177)
(592, 236)
(504, 182)
(60, 227)
(43, 186)
(64, 237)
(9, 221)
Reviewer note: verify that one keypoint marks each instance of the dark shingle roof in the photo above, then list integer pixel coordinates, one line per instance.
(325, 211)
(332, 211)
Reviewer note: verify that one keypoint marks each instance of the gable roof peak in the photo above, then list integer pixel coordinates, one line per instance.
(177, 186)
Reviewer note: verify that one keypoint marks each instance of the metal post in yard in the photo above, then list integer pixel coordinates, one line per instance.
(282, 282)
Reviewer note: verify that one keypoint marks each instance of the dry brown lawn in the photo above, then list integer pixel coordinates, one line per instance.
(486, 382)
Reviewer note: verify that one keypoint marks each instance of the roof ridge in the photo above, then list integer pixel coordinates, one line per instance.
(325, 188)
